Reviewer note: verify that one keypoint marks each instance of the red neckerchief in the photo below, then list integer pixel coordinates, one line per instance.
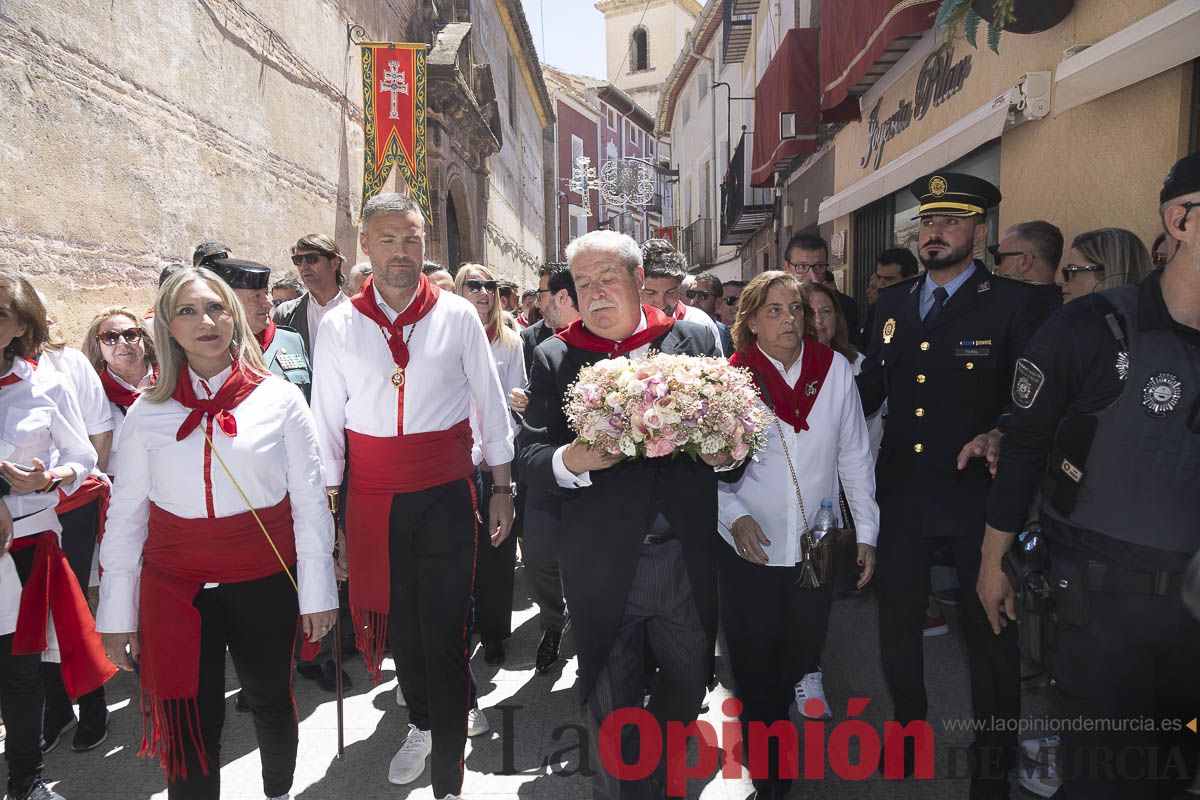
(119, 393)
(680, 311)
(266, 336)
(790, 403)
(237, 387)
(422, 303)
(491, 333)
(576, 335)
(13, 377)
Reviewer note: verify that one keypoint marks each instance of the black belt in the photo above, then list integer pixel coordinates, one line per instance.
(1102, 577)
(658, 538)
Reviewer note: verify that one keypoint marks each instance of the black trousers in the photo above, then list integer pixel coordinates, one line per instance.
(80, 528)
(775, 633)
(495, 569)
(660, 620)
(21, 703)
(257, 621)
(539, 552)
(432, 556)
(1135, 657)
(902, 582)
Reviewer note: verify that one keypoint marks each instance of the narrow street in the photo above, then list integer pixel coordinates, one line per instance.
(533, 748)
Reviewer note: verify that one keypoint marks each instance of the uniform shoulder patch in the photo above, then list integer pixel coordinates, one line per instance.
(1028, 380)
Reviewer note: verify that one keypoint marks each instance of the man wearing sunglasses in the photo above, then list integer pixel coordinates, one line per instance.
(1106, 419)
(1030, 252)
(319, 262)
(705, 293)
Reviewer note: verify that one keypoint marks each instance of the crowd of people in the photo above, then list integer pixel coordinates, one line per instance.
(253, 460)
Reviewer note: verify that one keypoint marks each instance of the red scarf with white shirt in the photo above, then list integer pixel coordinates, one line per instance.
(119, 393)
(790, 403)
(680, 311)
(657, 324)
(266, 335)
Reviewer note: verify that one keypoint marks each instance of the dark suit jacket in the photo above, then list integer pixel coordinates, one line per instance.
(603, 524)
(294, 314)
(531, 337)
(944, 384)
(849, 310)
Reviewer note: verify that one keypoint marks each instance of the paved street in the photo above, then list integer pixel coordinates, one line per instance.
(532, 750)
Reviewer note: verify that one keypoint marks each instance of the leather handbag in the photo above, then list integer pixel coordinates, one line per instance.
(834, 555)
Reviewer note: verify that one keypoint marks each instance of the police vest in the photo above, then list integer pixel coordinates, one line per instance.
(287, 359)
(1140, 481)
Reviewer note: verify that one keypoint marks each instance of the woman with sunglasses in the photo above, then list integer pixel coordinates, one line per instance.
(1102, 259)
(219, 537)
(42, 449)
(495, 565)
(120, 348)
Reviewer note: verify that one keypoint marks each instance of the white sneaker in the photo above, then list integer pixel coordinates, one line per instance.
(409, 761)
(477, 723)
(400, 701)
(809, 691)
(1038, 770)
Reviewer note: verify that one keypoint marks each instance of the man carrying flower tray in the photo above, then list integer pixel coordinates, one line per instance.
(637, 530)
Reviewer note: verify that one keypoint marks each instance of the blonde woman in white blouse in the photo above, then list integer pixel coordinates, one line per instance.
(816, 442)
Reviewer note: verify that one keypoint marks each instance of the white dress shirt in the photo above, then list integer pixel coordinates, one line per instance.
(118, 413)
(80, 376)
(450, 372)
(696, 315)
(836, 443)
(37, 420)
(274, 454)
(316, 314)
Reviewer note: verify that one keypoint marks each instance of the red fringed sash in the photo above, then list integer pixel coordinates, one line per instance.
(52, 587)
(179, 557)
(381, 467)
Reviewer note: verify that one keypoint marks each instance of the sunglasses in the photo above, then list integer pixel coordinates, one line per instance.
(731, 301)
(1070, 269)
(803, 269)
(698, 294)
(999, 255)
(308, 258)
(130, 335)
(474, 285)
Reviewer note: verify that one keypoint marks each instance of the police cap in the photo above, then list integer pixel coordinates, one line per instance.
(207, 251)
(241, 274)
(954, 194)
(1184, 178)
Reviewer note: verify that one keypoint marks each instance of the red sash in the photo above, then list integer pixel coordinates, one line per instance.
(52, 586)
(657, 324)
(381, 467)
(266, 335)
(181, 555)
(790, 403)
(92, 490)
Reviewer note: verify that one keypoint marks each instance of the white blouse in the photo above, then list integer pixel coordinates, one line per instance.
(80, 376)
(510, 366)
(41, 421)
(836, 443)
(451, 372)
(118, 413)
(275, 453)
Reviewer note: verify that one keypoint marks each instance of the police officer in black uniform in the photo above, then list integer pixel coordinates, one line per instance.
(283, 349)
(942, 353)
(1106, 421)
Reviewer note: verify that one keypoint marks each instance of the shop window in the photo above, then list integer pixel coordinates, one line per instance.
(1194, 142)
(872, 235)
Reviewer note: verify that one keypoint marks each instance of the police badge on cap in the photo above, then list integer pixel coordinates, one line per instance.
(954, 194)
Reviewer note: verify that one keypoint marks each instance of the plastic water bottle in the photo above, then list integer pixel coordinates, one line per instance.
(823, 523)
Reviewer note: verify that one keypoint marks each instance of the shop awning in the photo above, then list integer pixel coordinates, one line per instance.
(950, 144)
(858, 34)
(789, 86)
(1152, 45)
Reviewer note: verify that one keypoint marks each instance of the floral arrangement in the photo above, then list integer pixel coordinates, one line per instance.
(664, 404)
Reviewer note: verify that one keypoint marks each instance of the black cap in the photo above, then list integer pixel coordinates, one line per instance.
(241, 274)
(954, 194)
(207, 251)
(1184, 178)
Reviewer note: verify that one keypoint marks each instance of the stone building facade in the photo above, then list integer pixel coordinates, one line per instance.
(132, 131)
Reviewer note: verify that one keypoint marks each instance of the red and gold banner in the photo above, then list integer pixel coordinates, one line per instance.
(394, 81)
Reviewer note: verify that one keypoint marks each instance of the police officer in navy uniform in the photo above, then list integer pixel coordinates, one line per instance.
(1106, 421)
(942, 352)
(283, 349)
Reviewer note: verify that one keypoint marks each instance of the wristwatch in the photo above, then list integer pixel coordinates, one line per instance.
(509, 489)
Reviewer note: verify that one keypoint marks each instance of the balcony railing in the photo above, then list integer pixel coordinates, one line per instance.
(738, 25)
(743, 209)
(697, 245)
